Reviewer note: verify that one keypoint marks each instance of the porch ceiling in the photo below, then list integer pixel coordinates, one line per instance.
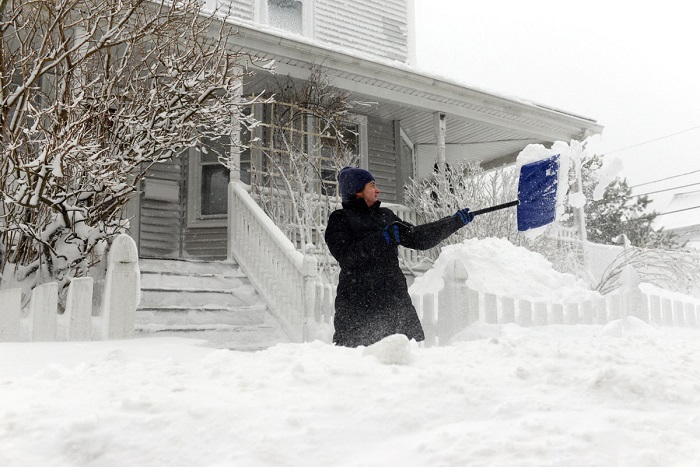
(480, 125)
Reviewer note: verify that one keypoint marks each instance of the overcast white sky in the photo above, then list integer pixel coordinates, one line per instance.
(633, 67)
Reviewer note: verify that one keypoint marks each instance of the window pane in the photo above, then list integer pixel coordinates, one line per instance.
(285, 14)
(215, 150)
(215, 179)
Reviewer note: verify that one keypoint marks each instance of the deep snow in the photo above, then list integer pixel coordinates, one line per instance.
(559, 395)
(623, 394)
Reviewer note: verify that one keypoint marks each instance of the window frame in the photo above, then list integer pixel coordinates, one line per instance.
(195, 218)
(195, 163)
(262, 15)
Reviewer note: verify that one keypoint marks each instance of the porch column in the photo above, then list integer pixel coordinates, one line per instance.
(234, 161)
(234, 165)
(440, 130)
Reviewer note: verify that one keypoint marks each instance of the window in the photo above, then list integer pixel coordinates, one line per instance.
(290, 15)
(208, 193)
(288, 137)
(330, 147)
(285, 14)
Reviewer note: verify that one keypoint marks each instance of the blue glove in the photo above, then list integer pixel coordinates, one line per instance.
(465, 216)
(391, 234)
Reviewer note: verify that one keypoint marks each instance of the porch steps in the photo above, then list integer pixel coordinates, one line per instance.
(183, 296)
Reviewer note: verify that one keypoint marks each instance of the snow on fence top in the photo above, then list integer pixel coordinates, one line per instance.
(40, 320)
(493, 281)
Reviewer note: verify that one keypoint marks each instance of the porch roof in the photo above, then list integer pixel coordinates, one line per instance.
(480, 125)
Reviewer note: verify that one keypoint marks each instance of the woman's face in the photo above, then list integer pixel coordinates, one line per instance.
(370, 193)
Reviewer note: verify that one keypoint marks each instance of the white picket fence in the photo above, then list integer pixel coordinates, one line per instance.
(447, 312)
(114, 319)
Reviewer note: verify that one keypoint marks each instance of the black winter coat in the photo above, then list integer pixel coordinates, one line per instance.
(372, 300)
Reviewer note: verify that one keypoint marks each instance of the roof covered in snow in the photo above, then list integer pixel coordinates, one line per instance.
(684, 211)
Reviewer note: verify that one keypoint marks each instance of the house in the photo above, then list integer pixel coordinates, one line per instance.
(416, 120)
(683, 217)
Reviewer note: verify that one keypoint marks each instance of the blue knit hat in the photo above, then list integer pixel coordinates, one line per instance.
(352, 180)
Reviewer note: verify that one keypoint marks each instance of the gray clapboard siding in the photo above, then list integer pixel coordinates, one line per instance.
(206, 243)
(162, 211)
(377, 28)
(243, 9)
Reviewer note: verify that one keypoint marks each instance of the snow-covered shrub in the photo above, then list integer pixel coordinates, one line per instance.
(676, 270)
(466, 184)
(94, 92)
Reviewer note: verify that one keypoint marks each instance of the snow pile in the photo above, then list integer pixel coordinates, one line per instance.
(497, 266)
(392, 350)
(629, 326)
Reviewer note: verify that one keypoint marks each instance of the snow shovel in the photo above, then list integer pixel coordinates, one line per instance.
(537, 194)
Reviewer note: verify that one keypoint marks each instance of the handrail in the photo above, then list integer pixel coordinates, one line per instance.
(283, 276)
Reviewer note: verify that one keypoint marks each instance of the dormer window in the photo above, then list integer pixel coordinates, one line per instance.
(295, 16)
(286, 14)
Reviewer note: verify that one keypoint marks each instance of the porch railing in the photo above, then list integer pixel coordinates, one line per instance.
(286, 279)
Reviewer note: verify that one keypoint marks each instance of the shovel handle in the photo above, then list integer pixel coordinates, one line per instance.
(496, 207)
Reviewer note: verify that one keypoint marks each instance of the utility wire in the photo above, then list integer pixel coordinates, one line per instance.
(666, 189)
(678, 210)
(664, 179)
(651, 141)
(651, 216)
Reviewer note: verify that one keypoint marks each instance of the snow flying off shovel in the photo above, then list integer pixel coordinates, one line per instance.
(537, 194)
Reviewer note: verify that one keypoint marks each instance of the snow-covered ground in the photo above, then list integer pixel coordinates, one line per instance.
(560, 395)
(625, 394)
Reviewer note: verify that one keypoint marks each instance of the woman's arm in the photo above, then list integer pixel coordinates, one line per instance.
(426, 236)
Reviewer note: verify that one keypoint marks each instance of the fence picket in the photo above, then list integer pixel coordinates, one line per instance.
(524, 313)
(78, 314)
(601, 311)
(472, 310)
(453, 314)
(540, 314)
(572, 313)
(615, 306)
(641, 306)
(11, 300)
(587, 312)
(678, 313)
(508, 310)
(490, 308)
(690, 317)
(429, 319)
(42, 312)
(655, 306)
(557, 313)
(666, 311)
(122, 289)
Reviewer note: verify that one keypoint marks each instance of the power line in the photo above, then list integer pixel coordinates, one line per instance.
(667, 189)
(652, 216)
(678, 210)
(651, 141)
(664, 179)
